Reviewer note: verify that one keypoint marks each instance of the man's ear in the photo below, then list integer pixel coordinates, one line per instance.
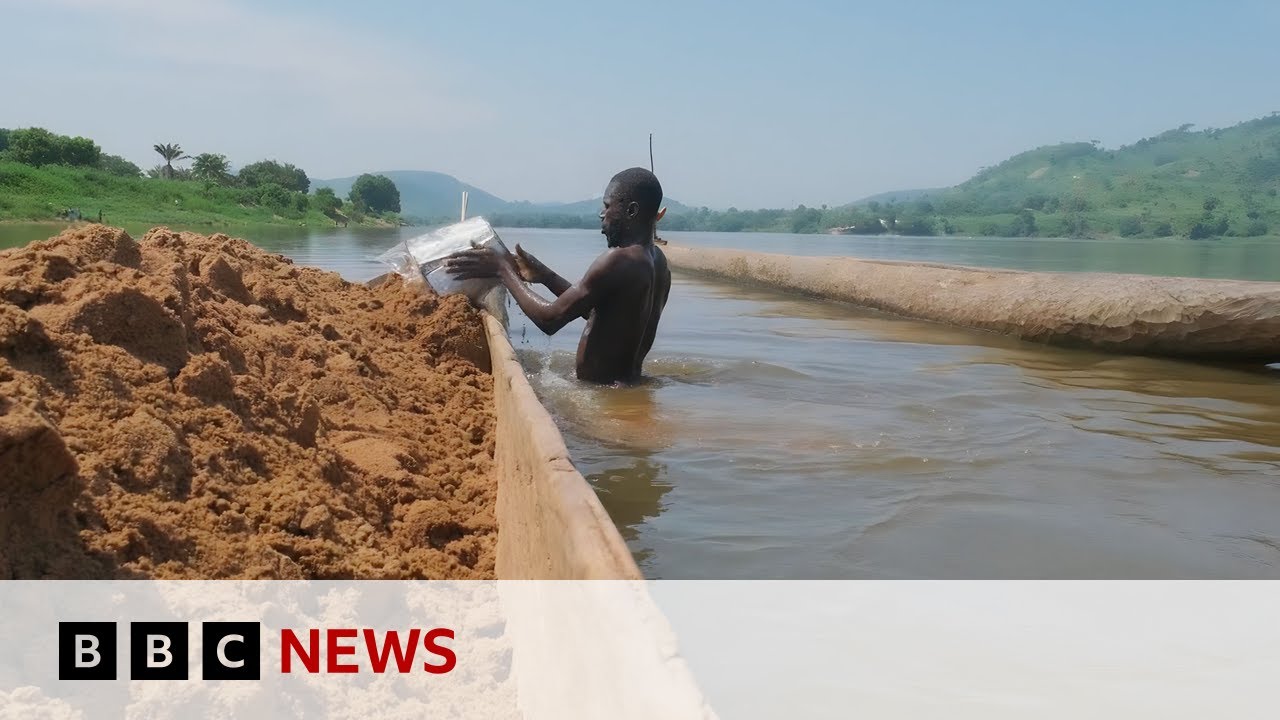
(633, 208)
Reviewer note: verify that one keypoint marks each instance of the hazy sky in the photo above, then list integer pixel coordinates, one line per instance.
(753, 104)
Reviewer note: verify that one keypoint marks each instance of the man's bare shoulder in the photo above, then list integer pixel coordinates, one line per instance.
(621, 265)
(622, 258)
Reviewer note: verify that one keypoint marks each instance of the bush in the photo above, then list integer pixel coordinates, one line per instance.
(117, 165)
(1129, 226)
(1076, 226)
(246, 196)
(326, 201)
(1162, 229)
(274, 196)
(1208, 228)
(919, 227)
(1024, 225)
(1255, 229)
(268, 172)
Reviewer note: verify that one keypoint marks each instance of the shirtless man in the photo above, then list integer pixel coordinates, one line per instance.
(621, 296)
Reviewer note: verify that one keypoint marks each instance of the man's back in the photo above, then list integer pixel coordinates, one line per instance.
(661, 291)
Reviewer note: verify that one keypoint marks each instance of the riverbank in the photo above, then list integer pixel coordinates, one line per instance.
(46, 194)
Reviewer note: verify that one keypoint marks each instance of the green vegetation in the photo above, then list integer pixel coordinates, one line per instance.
(376, 193)
(211, 167)
(1196, 184)
(270, 172)
(37, 146)
(170, 153)
(45, 176)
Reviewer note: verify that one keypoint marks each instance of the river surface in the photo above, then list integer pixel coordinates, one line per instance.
(782, 437)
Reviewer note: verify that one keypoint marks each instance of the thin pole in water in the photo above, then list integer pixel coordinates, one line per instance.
(464, 206)
(650, 152)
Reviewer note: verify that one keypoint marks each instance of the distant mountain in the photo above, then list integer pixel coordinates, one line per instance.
(428, 195)
(431, 195)
(582, 207)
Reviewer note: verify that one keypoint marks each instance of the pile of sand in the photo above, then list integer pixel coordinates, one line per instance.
(194, 407)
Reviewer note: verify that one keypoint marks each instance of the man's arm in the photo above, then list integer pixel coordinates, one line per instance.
(533, 270)
(572, 302)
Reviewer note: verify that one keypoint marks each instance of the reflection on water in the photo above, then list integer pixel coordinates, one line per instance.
(780, 437)
(631, 488)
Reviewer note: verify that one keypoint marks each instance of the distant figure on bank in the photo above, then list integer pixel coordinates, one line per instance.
(622, 296)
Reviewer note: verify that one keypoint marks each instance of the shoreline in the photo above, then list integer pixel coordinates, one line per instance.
(116, 222)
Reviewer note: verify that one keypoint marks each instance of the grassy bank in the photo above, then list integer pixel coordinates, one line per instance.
(29, 193)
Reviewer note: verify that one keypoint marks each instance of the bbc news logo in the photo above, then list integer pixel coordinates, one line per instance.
(233, 651)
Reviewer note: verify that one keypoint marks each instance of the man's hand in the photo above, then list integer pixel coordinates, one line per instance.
(531, 268)
(477, 264)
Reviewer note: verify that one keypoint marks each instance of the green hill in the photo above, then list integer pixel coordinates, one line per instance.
(1197, 183)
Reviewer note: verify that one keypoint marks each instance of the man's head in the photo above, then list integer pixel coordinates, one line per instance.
(631, 203)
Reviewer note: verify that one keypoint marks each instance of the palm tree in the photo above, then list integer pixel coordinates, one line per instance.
(170, 153)
(211, 167)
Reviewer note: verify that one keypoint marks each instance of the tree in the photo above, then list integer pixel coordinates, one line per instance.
(269, 171)
(33, 146)
(171, 153)
(326, 201)
(78, 151)
(1211, 204)
(1023, 225)
(117, 165)
(4, 139)
(1208, 228)
(37, 146)
(806, 220)
(211, 167)
(376, 193)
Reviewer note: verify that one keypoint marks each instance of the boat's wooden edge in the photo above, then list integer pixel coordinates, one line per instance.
(551, 525)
